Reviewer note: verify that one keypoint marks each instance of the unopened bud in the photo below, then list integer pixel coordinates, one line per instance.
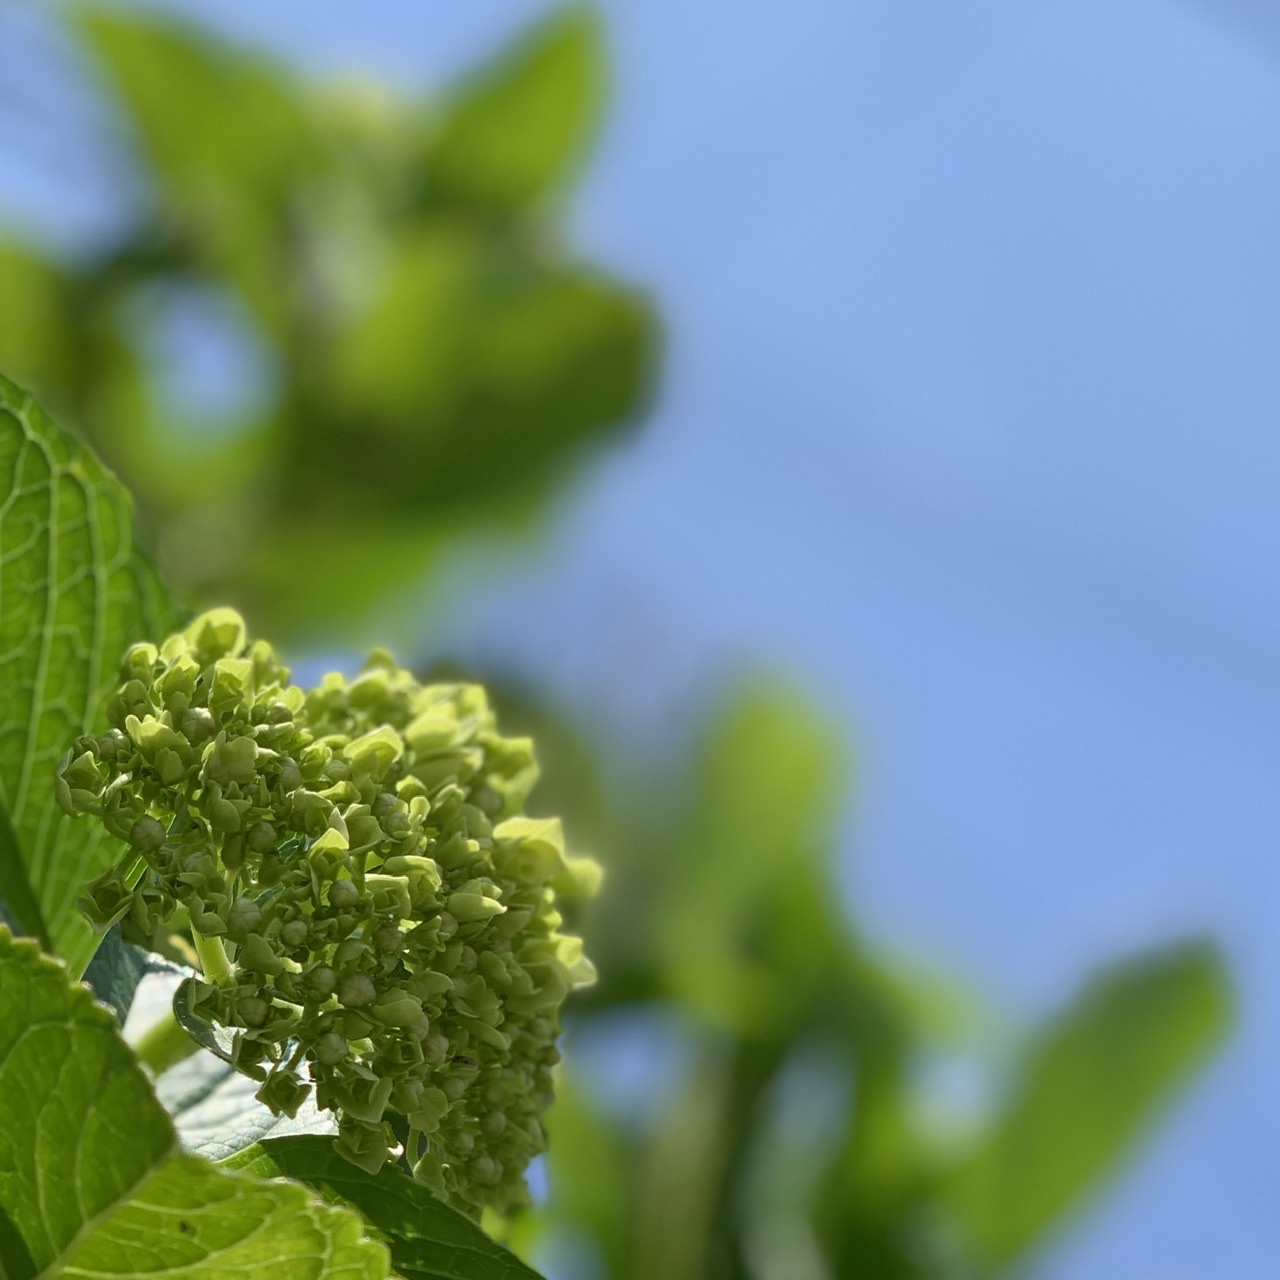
(147, 834)
(356, 990)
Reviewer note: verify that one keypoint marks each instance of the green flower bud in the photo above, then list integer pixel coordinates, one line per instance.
(209, 923)
(131, 700)
(388, 894)
(139, 662)
(435, 1049)
(198, 724)
(253, 1011)
(258, 956)
(343, 895)
(217, 634)
(230, 760)
(81, 772)
(152, 735)
(399, 1009)
(147, 835)
(374, 753)
(169, 765)
(224, 815)
(356, 990)
(294, 933)
(284, 1094)
(320, 983)
(245, 916)
(330, 1049)
(485, 1170)
(367, 1099)
(469, 907)
(365, 1146)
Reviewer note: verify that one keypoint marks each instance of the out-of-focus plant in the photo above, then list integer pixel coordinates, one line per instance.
(431, 355)
(434, 359)
(784, 1126)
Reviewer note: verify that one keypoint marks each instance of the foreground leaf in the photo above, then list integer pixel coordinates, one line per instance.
(1088, 1089)
(92, 1181)
(74, 593)
(428, 1239)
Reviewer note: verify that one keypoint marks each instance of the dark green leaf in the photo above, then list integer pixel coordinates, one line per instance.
(1088, 1087)
(74, 593)
(118, 967)
(428, 1239)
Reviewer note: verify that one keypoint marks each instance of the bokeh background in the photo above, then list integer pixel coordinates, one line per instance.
(846, 433)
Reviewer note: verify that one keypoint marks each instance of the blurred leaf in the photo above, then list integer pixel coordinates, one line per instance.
(428, 1240)
(518, 129)
(228, 139)
(473, 379)
(592, 1171)
(37, 319)
(750, 922)
(77, 592)
(1088, 1088)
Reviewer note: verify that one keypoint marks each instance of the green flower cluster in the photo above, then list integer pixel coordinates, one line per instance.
(364, 899)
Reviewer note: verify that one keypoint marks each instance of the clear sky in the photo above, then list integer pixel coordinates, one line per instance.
(969, 421)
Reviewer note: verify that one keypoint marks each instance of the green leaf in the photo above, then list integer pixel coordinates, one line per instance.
(74, 593)
(1088, 1088)
(118, 967)
(228, 138)
(750, 934)
(217, 1115)
(428, 1239)
(469, 381)
(91, 1176)
(520, 127)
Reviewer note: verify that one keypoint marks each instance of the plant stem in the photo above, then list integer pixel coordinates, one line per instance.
(165, 1045)
(213, 958)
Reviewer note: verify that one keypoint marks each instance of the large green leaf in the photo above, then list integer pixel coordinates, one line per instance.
(518, 129)
(1087, 1089)
(74, 593)
(428, 1239)
(92, 1181)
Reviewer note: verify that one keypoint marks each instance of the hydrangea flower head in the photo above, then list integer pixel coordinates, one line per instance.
(377, 919)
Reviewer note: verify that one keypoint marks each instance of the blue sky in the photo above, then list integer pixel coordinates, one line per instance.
(969, 423)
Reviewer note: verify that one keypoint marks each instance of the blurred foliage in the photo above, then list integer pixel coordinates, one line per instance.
(432, 359)
(721, 926)
(430, 355)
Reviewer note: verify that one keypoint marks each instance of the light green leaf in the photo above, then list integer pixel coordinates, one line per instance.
(1088, 1088)
(92, 1181)
(428, 1239)
(228, 137)
(520, 127)
(74, 593)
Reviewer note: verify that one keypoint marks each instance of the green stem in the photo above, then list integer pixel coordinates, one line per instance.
(213, 958)
(165, 1045)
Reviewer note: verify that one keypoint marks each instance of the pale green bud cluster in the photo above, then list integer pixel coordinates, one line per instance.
(355, 853)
